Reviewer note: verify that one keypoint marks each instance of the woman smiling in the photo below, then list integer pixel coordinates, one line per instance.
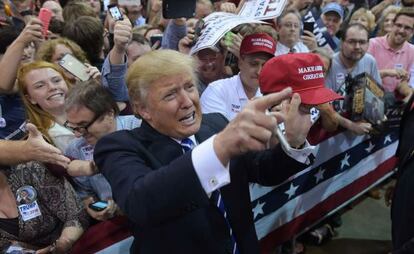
(43, 88)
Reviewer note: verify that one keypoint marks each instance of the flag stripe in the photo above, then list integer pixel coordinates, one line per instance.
(288, 230)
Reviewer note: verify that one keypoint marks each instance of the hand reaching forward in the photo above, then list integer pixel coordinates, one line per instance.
(252, 128)
(36, 148)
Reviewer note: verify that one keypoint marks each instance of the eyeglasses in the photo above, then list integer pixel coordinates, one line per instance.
(291, 25)
(354, 42)
(81, 129)
(406, 28)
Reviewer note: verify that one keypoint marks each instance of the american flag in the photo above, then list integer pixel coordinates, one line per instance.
(345, 166)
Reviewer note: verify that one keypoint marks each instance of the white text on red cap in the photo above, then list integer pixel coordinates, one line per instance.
(262, 42)
(317, 68)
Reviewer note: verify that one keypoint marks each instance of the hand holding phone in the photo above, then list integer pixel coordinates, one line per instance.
(45, 15)
(98, 206)
(308, 26)
(74, 67)
(115, 12)
(156, 38)
(279, 134)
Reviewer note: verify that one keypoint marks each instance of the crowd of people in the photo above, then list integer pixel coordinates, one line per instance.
(99, 118)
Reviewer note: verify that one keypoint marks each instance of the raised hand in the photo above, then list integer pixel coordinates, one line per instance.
(252, 128)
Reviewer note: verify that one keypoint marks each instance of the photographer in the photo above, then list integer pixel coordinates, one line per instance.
(351, 61)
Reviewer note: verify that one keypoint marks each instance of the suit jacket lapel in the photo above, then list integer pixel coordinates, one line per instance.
(162, 147)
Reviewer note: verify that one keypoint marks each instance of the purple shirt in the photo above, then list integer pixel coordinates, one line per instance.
(388, 58)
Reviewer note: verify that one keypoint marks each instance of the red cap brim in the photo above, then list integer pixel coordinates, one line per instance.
(318, 96)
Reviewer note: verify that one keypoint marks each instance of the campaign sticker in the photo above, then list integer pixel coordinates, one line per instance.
(29, 211)
(398, 66)
(87, 152)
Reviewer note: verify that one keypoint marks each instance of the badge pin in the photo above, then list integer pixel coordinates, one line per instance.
(26, 195)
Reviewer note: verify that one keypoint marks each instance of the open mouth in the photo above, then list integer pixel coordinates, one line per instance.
(55, 96)
(188, 119)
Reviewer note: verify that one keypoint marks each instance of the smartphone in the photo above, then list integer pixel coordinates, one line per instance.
(98, 206)
(74, 66)
(154, 38)
(308, 26)
(173, 9)
(45, 15)
(115, 12)
(279, 133)
(197, 31)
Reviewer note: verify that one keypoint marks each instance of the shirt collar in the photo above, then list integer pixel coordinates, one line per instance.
(192, 137)
(384, 42)
(240, 89)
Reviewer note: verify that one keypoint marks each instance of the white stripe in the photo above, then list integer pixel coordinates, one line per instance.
(218, 201)
(120, 247)
(324, 152)
(303, 203)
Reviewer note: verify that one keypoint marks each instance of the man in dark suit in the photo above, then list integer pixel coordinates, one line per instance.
(164, 191)
(402, 206)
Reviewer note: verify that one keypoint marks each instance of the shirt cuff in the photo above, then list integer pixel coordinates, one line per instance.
(209, 169)
(301, 155)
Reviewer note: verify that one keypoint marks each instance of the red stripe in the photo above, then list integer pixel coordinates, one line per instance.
(288, 230)
(105, 234)
(102, 235)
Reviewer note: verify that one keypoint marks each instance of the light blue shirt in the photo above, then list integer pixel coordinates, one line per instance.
(79, 149)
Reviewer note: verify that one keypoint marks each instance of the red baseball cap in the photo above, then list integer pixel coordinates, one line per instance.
(256, 43)
(303, 72)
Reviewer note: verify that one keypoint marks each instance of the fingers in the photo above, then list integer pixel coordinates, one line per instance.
(92, 71)
(294, 104)
(155, 45)
(33, 131)
(228, 7)
(308, 34)
(267, 101)
(46, 250)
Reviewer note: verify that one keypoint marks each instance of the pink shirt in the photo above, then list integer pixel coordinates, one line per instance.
(388, 58)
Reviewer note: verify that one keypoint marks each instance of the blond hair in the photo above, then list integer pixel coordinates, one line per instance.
(76, 9)
(34, 113)
(48, 48)
(392, 9)
(362, 12)
(155, 65)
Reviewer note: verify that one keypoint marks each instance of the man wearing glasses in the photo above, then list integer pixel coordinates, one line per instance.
(288, 26)
(91, 114)
(349, 62)
(395, 56)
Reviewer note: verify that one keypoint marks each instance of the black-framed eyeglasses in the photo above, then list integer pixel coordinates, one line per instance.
(81, 129)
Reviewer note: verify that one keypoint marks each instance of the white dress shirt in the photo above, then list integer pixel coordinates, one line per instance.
(282, 49)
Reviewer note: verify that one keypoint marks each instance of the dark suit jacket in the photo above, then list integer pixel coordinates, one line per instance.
(402, 209)
(156, 186)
